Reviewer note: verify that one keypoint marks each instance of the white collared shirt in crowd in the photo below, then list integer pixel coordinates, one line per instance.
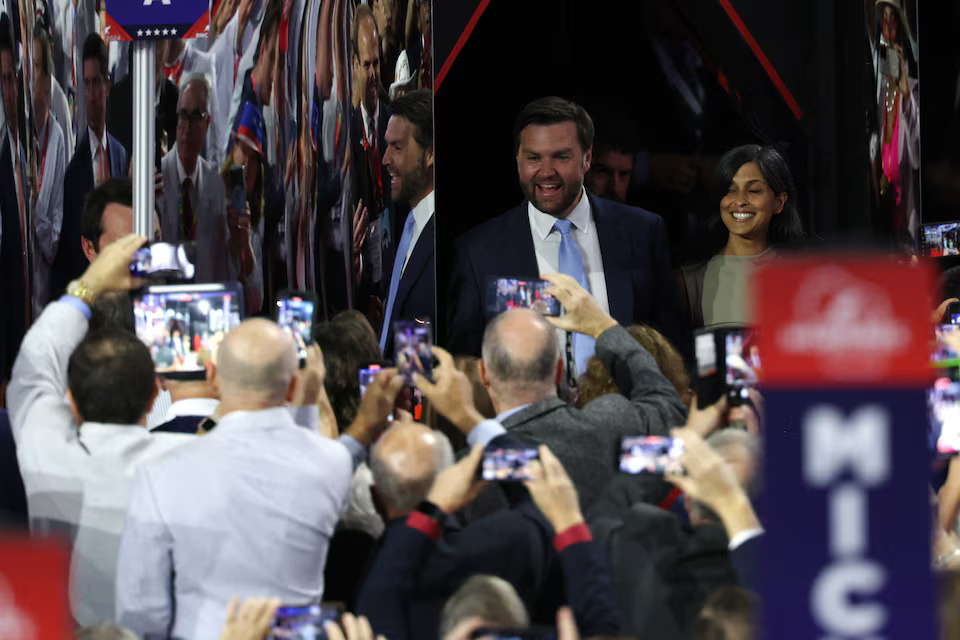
(78, 481)
(247, 509)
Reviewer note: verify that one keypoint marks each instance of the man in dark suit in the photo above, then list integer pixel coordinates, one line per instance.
(16, 235)
(193, 401)
(98, 156)
(408, 160)
(619, 253)
(368, 128)
(521, 368)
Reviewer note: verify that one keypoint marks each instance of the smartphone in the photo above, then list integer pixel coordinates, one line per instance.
(508, 464)
(513, 293)
(651, 454)
(943, 404)
(366, 376)
(295, 311)
(939, 240)
(741, 365)
(183, 325)
(304, 622)
(709, 385)
(164, 261)
(238, 188)
(413, 342)
(946, 350)
(514, 634)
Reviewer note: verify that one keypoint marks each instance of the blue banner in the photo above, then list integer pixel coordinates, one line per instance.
(156, 19)
(847, 549)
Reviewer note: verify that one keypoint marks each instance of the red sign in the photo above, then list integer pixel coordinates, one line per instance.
(844, 320)
(34, 589)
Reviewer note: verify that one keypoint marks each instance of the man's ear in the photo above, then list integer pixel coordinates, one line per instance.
(428, 157)
(88, 250)
(211, 376)
(77, 418)
(484, 378)
(292, 387)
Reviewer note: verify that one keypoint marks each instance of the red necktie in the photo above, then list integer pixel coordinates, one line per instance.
(189, 219)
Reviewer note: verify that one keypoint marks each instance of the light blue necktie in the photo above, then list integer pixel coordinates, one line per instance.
(398, 261)
(571, 263)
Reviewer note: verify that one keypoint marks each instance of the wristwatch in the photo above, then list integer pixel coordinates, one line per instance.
(79, 289)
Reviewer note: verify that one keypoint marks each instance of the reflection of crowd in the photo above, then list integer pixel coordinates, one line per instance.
(652, 457)
(508, 464)
(743, 359)
(518, 294)
(182, 336)
(413, 352)
(942, 240)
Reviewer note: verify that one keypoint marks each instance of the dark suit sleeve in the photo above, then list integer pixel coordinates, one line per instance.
(637, 375)
(465, 316)
(744, 559)
(588, 583)
(385, 597)
(670, 321)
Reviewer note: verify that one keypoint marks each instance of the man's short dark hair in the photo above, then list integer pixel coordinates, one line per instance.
(110, 191)
(45, 51)
(730, 613)
(95, 47)
(362, 12)
(6, 37)
(417, 108)
(554, 110)
(269, 26)
(111, 377)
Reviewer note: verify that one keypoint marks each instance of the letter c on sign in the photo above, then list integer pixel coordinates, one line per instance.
(831, 603)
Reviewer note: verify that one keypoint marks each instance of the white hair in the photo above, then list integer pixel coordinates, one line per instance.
(204, 79)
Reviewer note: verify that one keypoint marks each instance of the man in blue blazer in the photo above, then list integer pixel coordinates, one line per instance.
(98, 156)
(622, 252)
(408, 161)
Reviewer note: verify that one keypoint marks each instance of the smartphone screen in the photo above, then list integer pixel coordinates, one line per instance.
(709, 386)
(164, 261)
(742, 365)
(511, 293)
(502, 464)
(295, 314)
(651, 454)
(183, 325)
(946, 351)
(366, 376)
(938, 240)
(943, 403)
(303, 623)
(413, 342)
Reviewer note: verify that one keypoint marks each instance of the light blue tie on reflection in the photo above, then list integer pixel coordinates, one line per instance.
(571, 264)
(402, 248)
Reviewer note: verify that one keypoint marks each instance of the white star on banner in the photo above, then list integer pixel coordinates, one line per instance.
(166, 32)
(139, 33)
(173, 32)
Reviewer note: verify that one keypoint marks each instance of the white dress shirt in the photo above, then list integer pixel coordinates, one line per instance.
(192, 407)
(78, 482)
(245, 510)
(194, 178)
(48, 211)
(60, 108)
(546, 244)
(422, 212)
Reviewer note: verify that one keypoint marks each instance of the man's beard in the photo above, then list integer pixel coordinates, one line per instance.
(413, 182)
(570, 194)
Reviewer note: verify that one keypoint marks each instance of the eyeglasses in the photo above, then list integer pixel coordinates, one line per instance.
(191, 117)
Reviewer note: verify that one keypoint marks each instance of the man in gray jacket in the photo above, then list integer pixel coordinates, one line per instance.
(522, 366)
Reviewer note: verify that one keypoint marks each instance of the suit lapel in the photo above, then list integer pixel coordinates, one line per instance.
(518, 243)
(86, 162)
(614, 245)
(419, 259)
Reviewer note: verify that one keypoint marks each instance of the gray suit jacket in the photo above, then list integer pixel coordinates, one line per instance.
(210, 208)
(587, 441)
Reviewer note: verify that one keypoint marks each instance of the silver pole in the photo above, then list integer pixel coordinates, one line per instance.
(144, 139)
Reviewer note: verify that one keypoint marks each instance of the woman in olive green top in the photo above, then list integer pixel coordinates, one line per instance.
(758, 211)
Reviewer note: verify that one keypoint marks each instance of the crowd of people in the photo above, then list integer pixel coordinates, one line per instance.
(497, 484)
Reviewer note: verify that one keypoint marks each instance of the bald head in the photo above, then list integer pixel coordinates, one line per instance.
(405, 462)
(256, 363)
(520, 356)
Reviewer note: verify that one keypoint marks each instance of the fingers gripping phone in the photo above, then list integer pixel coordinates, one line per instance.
(508, 464)
(295, 310)
(304, 622)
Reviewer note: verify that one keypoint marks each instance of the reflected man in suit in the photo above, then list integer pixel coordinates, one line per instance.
(98, 156)
(193, 206)
(408, 159)
(620, 254)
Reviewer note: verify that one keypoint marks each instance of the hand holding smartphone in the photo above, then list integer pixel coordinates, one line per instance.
(514, 293)
(651, 454)
(295, 310)
(304, 622)
(508, 464)
(413, 342)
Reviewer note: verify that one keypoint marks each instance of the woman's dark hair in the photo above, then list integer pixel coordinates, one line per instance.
(785, 227)
(347, 342)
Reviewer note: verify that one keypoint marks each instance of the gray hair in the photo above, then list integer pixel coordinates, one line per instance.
(492, 599)
(203, 79)
(105, 632)
(523, 377)
(403, 492)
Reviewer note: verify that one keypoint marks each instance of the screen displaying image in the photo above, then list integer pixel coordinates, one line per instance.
(414, 349)
(510, 293)
(943, 402)
(651, 454)
(508, 464)
(183, 326)
(366, 376)
(296, 315)
(941, 239)
(946, 349)
(706, 350)
(163, 259)
(742, 359)
(303, 623)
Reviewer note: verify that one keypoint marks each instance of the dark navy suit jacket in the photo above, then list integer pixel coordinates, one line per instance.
(78, 181)
(416, 292)
(13, 319)
(636, 266)
(181, 424)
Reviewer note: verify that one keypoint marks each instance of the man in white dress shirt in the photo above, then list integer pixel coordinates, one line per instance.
(249, 508)
(228, 50)
(78, 479)
(50, 163)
